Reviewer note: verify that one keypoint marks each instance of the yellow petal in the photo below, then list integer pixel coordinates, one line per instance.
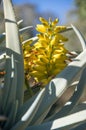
(59, 28)
(41, 28)
(44, 21)
(45, 60)
(55, 22)
(39, 68)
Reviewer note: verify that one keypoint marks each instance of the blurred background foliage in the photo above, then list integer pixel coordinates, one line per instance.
(30, 14)
(78, 18)
(81, 5)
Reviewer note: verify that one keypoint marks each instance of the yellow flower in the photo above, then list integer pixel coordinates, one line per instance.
(47, 57)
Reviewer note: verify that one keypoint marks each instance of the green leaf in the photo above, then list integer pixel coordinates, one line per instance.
(12, 114)
(22, 30)
(13, 46)
(66, 122)
(30, 113)
(74, 99)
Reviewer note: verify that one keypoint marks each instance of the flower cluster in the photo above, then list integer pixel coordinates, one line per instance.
(47, 57)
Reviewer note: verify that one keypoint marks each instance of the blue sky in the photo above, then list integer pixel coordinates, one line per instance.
(58, 7)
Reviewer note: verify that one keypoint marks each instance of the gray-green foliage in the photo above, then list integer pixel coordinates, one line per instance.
(81, 8)
(16, 115)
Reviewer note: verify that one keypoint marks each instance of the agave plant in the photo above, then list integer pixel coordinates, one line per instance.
(35, 113)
